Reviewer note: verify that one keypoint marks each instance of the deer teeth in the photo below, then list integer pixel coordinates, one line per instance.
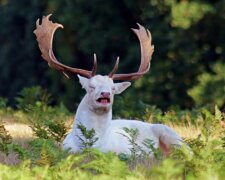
(103, 100)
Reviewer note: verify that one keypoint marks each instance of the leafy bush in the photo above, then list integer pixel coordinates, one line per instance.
(185, 14)
(46, 121)
(122, 103)
(211, 87)
(30, 96)
(3, 102)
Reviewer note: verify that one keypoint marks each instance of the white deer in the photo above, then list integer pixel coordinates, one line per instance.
(95, 109)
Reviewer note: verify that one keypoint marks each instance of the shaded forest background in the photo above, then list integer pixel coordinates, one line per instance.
(188, 64)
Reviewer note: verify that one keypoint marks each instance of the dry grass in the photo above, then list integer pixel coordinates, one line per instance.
(18, 130)
(186, 131)
(20, 133)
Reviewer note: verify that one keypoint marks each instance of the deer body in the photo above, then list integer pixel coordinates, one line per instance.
(110, 132)
(95, 109)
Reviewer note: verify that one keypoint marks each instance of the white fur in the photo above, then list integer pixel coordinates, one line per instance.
(94, 115)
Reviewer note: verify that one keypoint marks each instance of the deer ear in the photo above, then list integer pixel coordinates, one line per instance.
(83, 81)
(120, 87)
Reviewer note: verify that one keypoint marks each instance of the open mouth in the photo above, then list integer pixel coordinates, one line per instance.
(103, 100)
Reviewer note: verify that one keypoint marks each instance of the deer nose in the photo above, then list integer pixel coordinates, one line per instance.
(105, 94)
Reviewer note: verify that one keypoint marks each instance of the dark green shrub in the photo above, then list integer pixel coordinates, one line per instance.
(48, 122)
(211, 87)
(3, 102)
(30, 96)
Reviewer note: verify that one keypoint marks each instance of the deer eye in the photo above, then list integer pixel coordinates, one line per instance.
(113, 89)
(92, 87)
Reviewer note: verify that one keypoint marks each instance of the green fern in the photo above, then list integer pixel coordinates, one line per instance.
(88, 137)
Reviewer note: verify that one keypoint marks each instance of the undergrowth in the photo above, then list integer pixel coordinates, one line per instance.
(42, 157)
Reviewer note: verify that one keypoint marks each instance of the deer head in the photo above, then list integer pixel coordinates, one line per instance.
(100, 89)
(100, 92)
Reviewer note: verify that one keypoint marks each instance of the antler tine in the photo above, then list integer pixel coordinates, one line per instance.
(115, 67)
(147, 50)
(45, 32)
(94, 69)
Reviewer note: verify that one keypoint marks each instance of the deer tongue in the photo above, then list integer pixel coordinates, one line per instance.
(104, 101)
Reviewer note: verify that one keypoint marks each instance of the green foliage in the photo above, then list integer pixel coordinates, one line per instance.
(211, 87)
(101, 166)
(137, 107)
(183, 34)
(43, 158)
(149, 144)
(132, 135)
(46, 152)
(18, 45)
(207, 161)
(211, 123)
(32, 96)
(3, 102)
(139, 155)
(47, 122)
(185, 13)
(88, 136)
(108, 163)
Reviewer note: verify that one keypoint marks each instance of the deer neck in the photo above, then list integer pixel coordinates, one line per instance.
(91, 118)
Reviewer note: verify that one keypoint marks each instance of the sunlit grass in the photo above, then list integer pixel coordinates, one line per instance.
(21, 133)
(186, 131)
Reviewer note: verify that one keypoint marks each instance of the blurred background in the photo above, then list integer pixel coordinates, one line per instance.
(187, 68)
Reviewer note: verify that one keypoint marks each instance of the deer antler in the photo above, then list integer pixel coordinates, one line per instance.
(44, 33)
(147, 50)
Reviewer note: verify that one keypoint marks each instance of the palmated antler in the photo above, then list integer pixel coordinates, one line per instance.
(44, 33)
(147, 50)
